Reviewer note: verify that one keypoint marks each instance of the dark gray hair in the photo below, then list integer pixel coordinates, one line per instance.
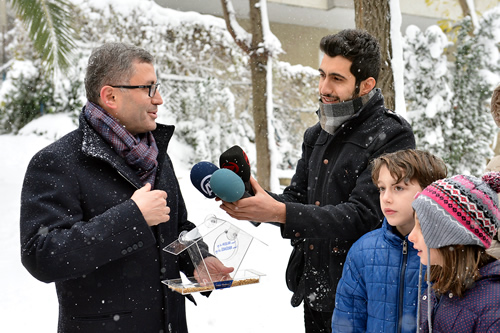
(112, 64)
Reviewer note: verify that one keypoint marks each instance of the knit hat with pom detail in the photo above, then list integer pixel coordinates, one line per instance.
(461, 210)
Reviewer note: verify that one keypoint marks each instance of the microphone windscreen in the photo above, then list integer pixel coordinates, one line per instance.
(236, 160)
(200, 177)
(227, 185)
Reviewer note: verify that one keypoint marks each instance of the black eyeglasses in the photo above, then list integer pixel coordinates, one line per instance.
(152, 88)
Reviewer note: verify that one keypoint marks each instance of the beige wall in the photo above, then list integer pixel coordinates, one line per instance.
(320, 4)
(441, 9)
(430, 8)
(318, 18)
(300, 43)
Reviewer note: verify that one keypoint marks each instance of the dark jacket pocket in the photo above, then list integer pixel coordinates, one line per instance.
(295, 268)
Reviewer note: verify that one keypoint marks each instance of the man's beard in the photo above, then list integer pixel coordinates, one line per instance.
(354, 95)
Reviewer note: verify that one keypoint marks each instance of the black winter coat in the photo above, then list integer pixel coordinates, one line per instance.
(332, 200)
(81, 230)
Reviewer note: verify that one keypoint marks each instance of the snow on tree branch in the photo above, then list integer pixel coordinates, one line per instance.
(271, 42)
(240, 35)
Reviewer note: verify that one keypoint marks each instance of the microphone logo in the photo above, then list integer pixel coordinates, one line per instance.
(205, 185)
(231, 166)
(246, 157)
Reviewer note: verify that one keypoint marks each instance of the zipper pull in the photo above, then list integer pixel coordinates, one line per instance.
(405, 247)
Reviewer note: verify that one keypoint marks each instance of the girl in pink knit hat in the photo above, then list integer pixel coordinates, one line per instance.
(455, 221)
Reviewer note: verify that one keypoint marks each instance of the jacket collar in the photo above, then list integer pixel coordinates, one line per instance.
(392, 238)
(94, 145)
(332, 116)
(492, 270)
(368, 110)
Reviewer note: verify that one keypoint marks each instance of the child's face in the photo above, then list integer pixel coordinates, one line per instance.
(396, 199)
(417, 239)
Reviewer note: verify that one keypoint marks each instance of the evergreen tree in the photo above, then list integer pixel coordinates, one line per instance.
(428, 95)
(473, 130)
(29, 90)
(30, 96)
(448, 91)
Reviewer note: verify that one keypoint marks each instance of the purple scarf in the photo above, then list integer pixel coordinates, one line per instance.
(139, 152)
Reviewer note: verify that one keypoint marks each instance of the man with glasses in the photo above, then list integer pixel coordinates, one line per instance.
(100, 204)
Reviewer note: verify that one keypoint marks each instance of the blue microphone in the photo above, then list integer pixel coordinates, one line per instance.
(227, 185)
(200, 177)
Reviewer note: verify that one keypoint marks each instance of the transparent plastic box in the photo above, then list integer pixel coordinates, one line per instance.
(218, 238)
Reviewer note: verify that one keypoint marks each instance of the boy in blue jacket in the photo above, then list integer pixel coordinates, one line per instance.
(379, 285)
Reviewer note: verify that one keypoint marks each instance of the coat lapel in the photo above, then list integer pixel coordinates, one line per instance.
(94, 145)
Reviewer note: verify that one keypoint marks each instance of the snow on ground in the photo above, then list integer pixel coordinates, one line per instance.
(29, 305)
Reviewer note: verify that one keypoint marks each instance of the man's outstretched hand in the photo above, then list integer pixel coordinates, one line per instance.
(217, 271)
(258, 208)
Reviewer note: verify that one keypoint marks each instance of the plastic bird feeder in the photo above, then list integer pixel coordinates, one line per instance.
(219, 238)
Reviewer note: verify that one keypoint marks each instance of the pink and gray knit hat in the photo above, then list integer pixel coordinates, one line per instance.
(461, 210)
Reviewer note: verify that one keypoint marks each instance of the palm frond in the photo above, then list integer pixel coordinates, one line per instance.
(49, 26)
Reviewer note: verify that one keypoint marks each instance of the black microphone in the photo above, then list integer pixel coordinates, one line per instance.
(236, 160)
(200, 177)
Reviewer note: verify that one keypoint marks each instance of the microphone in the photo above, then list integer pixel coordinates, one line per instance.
(200, 177)
(236, 160)
(227, 185)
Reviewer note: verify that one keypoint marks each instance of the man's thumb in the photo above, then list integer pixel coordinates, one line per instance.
(255, 185)
(146, 188)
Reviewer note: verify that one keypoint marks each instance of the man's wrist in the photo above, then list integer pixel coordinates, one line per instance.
(281, 212)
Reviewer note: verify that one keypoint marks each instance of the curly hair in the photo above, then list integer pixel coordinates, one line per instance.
(359, 47)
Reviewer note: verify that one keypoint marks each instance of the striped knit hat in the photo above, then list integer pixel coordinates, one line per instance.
(461, 210)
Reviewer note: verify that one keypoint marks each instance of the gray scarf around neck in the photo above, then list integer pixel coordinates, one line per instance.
(332, 116)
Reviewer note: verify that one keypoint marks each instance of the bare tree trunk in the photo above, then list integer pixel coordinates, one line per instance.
(465, 7)
(467, 12)
(258, 66)
(375, 17)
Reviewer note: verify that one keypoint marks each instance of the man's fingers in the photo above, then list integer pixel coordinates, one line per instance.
(160, 194)
(168, 214)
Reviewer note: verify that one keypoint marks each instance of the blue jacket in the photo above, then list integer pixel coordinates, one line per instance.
(379, 285)
(477, 311)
